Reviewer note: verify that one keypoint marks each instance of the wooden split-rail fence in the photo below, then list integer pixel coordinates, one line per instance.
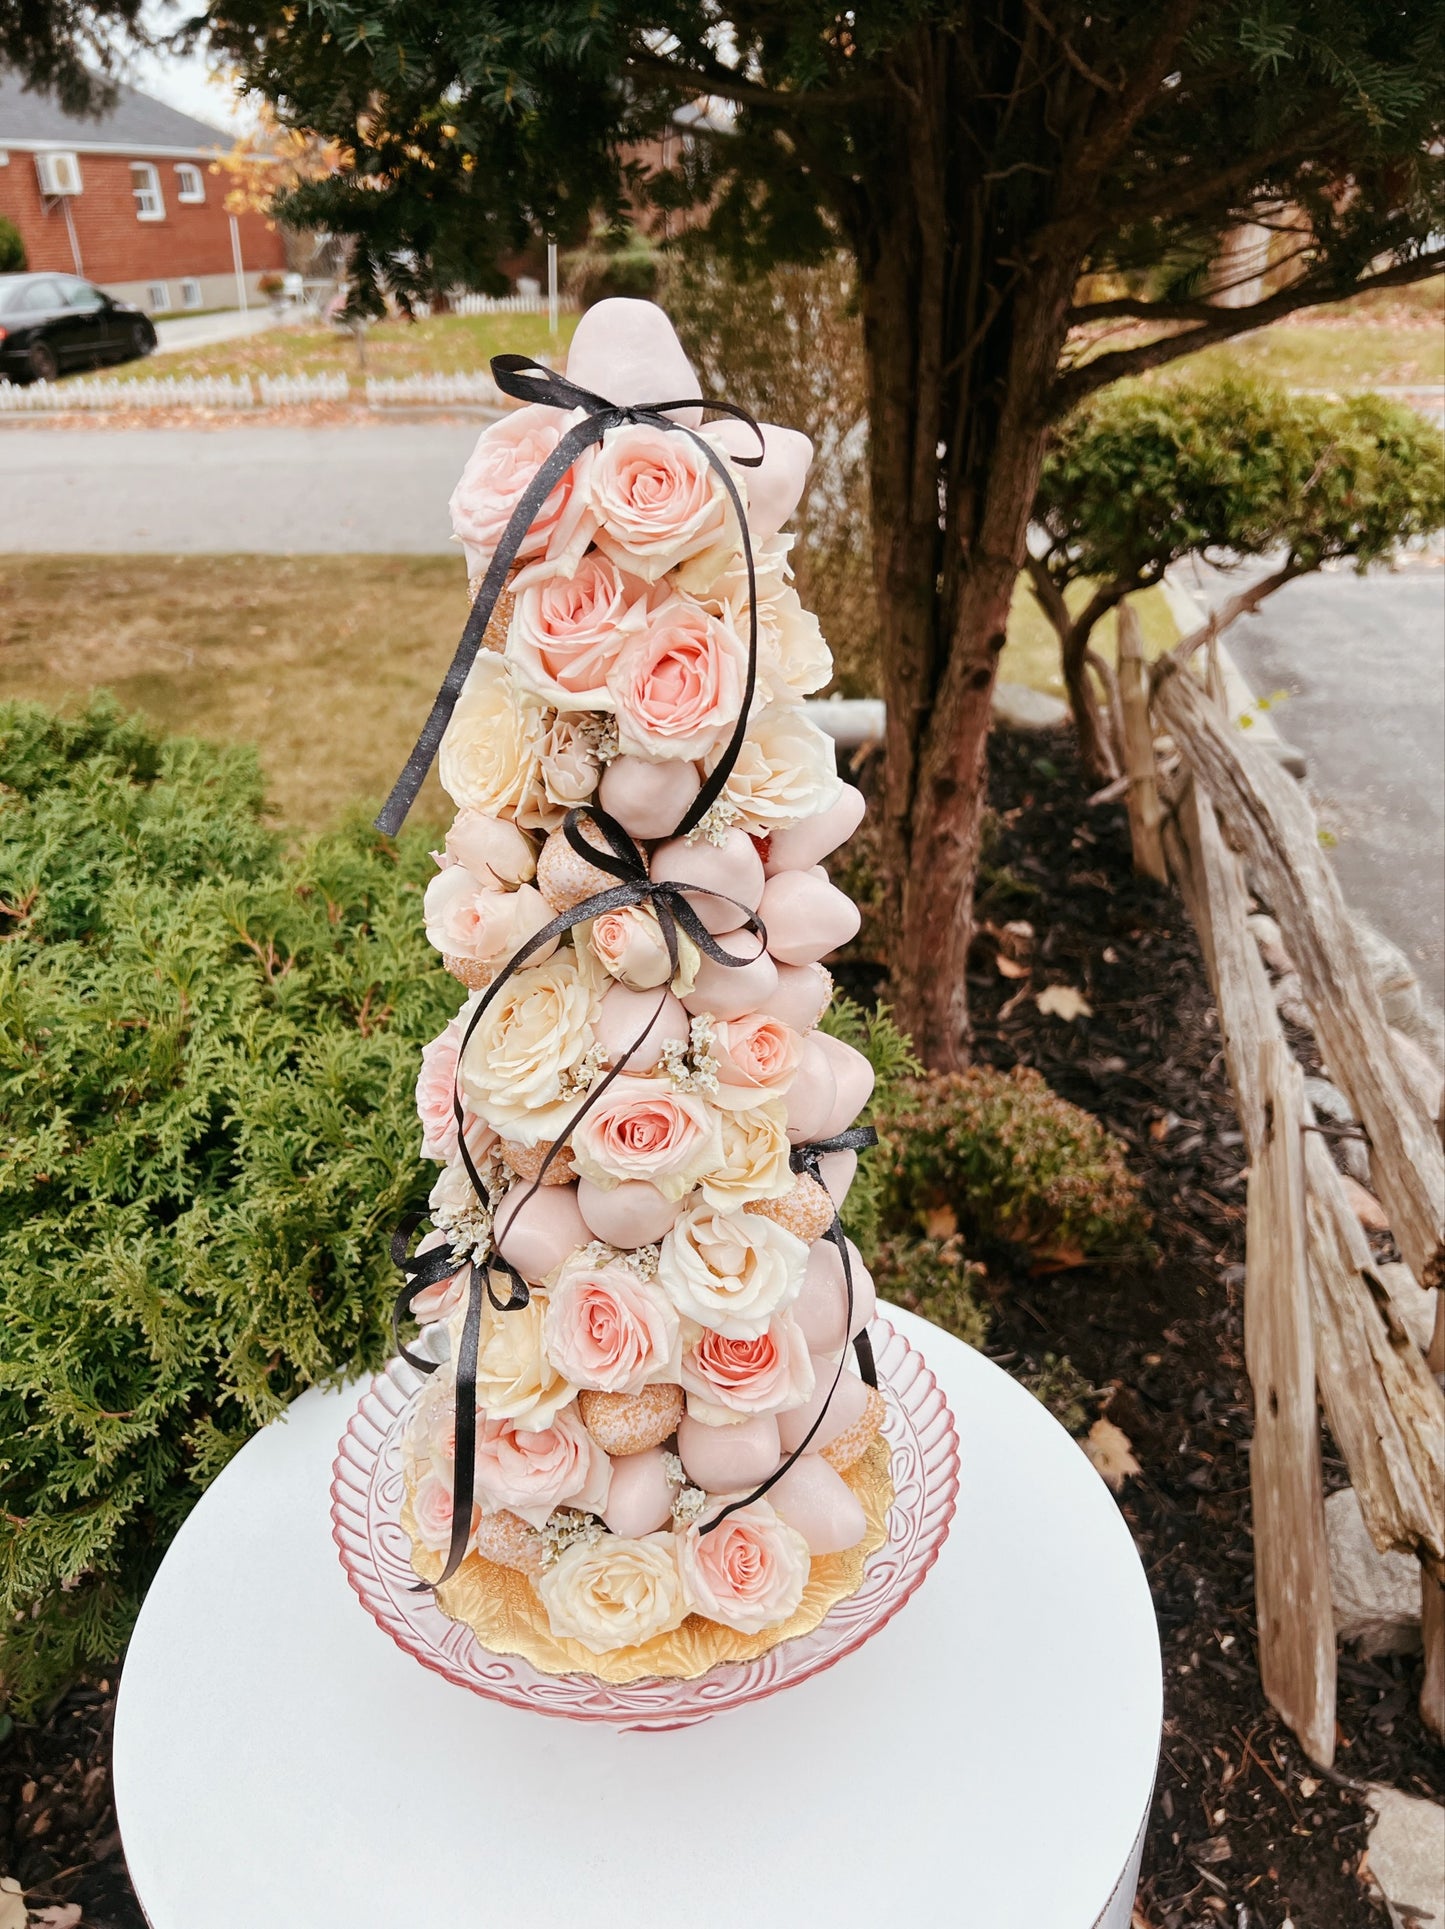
(1207, 807)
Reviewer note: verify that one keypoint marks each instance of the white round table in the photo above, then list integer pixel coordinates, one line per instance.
(986, 1759)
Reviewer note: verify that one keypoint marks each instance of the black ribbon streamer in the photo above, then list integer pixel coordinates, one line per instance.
(618, 856)
(531, 381)
(808, 1158)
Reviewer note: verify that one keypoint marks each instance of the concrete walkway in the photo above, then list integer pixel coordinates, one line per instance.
(199, 331)
(270, 490)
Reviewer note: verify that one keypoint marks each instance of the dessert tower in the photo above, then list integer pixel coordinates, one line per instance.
(648, 1440)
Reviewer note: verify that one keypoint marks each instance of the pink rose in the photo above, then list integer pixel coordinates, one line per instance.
(434, 1105)
(769, 1373)
(677, 687)
(642, 1129)
(757, 1059)
(631, 948)
(507, 456)
(431, 1507)
(608, 1328)
(749, 1573)
(465, 920)
(448, 1296)
(494, 851)
(530, 1474)
(657, 503)
(566, 630)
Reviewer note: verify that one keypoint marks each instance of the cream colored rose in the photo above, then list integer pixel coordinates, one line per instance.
(533, 1033)
(614, 1593)
(493, 744)
(515, 1378)
(786, 771)
(793, 659)
(730, 1271)
(754, 1162)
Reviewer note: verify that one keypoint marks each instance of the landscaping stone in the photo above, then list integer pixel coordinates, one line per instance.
(1392, 972)
(1270, 939)
(1364, 1205)
(1289, 1002)
(1330, 1103)
(1422, 1066)
(1407, 1857)
(1376, 1597)
(1017, 707)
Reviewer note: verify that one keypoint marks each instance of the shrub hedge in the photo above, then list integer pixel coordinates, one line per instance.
(207, 1054)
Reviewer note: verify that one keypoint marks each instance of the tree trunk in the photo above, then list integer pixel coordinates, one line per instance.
(1094, 746)
(962, 352)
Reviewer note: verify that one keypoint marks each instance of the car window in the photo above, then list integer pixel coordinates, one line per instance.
(81, 296)
(38, 297)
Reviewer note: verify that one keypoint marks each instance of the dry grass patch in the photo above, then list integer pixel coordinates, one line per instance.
(328, 663)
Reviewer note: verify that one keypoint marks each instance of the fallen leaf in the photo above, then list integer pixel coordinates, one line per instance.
(1112, 1453)
(1010, 967)
(13, 1913)
(1064, 1001)
(60, 1915)
(1308, 1787)
(940, 1223)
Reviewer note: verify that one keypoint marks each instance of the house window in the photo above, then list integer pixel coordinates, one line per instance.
(189, 185)
(190, 292)
(145, 185)
(158, 297)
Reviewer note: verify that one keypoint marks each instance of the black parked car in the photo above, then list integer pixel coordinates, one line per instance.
(51, 324)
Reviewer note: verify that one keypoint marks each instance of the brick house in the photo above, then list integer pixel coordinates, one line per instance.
(129, 201)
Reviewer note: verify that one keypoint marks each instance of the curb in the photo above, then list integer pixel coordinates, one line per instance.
(1189, 613)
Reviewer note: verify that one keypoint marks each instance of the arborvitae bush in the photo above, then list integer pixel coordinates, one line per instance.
(207, 1054)
(1009, 1164)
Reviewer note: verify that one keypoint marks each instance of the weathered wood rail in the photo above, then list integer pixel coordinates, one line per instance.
(1317, 1313)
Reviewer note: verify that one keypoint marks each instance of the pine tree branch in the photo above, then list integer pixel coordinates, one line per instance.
(1225, 323)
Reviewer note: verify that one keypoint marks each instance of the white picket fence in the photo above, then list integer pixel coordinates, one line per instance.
(473, 389)
(411, 391)
(285, 391)
(503, 305)
(168, 392)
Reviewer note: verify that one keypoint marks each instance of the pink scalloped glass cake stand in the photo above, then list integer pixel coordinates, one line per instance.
(366, 1495)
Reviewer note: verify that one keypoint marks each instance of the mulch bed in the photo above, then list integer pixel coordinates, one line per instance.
(1245, 1831)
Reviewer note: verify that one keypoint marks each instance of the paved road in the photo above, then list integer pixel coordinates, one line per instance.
(273, 490)
(1363, 659)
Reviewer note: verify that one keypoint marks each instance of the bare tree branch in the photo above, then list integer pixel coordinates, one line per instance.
(1225, 323)
(1243, 603)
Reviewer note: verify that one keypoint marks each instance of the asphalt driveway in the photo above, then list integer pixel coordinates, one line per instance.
(1363, 662)
(272, 490)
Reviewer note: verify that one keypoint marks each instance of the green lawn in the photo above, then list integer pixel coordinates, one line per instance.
(329, 663)
(444, 345)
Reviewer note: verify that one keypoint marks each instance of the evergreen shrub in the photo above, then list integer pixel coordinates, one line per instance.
(207, 1052)
(1007, 1163)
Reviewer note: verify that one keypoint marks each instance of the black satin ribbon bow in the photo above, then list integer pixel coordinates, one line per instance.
(530, 381)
